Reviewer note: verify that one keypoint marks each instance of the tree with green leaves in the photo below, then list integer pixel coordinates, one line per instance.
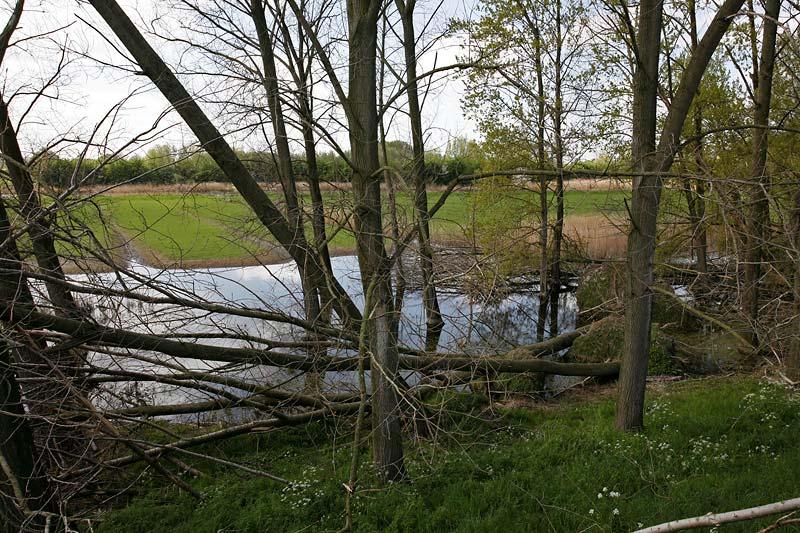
(537, 93)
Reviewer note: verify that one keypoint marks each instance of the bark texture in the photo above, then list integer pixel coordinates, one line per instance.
(23, 487)
(644, 210)
(653, 162)
(387, 444)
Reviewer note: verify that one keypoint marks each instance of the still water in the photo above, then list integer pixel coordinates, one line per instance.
(472, 326)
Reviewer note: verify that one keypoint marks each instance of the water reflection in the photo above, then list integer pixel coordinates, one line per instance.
(471, 326)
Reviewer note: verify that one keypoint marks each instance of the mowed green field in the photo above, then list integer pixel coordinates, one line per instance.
(220, 228)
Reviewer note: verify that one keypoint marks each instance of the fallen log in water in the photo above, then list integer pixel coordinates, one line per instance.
(88, 332)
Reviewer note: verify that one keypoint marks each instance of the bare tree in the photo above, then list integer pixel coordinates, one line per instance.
(434, 322)
(362, 114)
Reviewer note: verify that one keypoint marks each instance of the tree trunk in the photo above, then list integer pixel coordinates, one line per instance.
(387, 445)
(541, 318)
(433, 315)
(23, 486)
(647, 189)
(284, 155)
(394, 222)
(558, 228)
(793, 362)
(30, 207)
(317, 203)
(644, 208)
(317, 211)
(286, 172)
(390, 180)
(304, 97)
(66, 441)
(696, 200)
(758, 220)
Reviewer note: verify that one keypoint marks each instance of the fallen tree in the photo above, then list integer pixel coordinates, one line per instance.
(86, 332)
(717, 519)
(158, 450)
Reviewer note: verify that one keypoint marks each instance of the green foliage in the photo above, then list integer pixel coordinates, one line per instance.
(716, 445)
(661, 360)
(507, 221)
(505, 102)
(668, 311)
(167, 164)
(601, 292)
(606, 340)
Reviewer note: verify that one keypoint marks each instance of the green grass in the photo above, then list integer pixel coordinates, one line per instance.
(214, 227)
(182, 227)
(711, 445)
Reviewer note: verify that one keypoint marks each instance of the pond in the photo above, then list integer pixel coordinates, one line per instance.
(471, 326)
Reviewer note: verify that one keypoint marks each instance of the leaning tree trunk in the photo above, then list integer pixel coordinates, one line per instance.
(387, 445)
(223, 155)
(758, 219)
(433, 315)
(647, 190)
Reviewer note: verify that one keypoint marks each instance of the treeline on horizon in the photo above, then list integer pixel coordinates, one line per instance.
(165, 164)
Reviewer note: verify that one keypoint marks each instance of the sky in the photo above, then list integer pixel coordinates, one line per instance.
(92, 86)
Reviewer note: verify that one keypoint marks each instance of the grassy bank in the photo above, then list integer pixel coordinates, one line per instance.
(197, 228)
(711, 445)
